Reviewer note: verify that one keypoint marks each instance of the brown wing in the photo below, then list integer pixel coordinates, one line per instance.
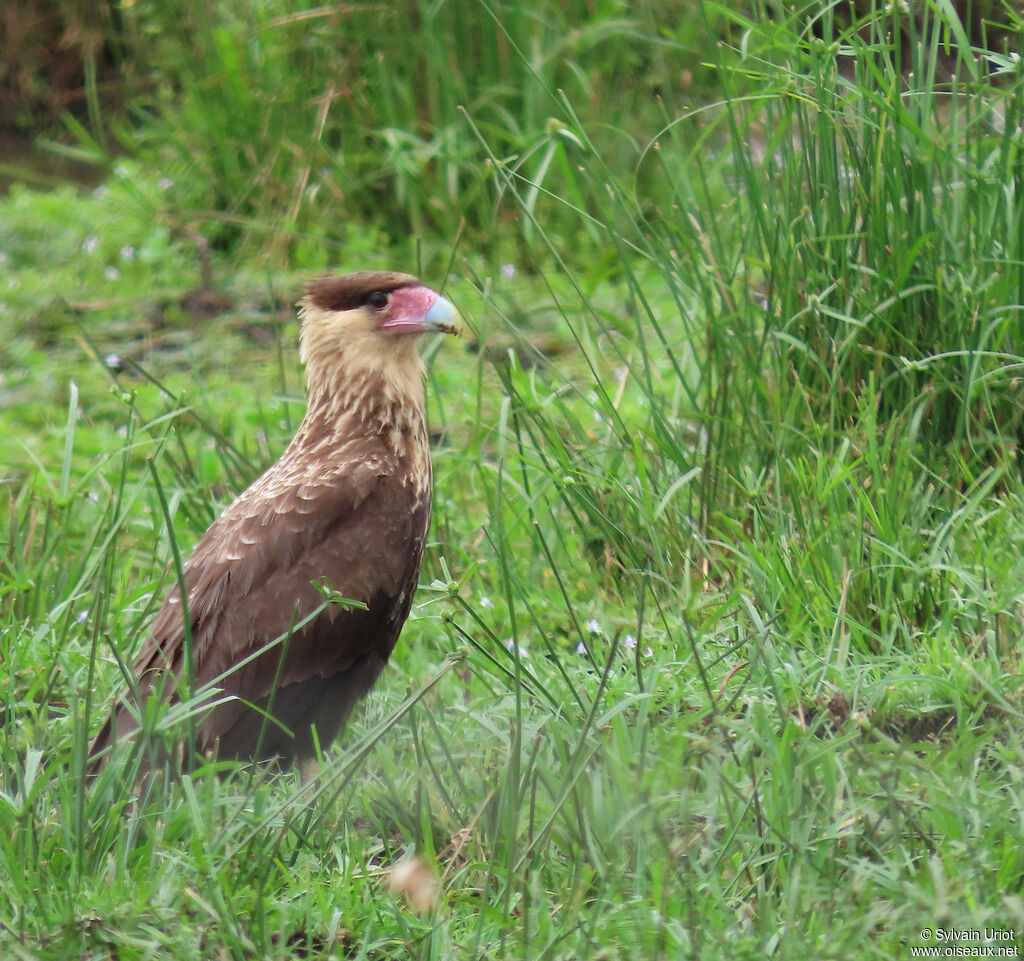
(358, 526)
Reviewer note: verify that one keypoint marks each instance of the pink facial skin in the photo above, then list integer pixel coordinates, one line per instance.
(417, 310)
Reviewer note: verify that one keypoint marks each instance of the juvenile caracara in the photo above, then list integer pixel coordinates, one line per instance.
(346, 507)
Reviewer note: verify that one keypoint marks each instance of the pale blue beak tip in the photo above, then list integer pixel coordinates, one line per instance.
(442, 316)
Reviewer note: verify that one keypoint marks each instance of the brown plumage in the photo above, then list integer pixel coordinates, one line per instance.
(347, 506)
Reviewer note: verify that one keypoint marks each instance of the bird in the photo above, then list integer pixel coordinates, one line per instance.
(297, 593)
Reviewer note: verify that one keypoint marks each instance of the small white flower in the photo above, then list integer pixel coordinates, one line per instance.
(581, 648)
(101, 191)
(90, 243)
(164, 183)
(127, 252)
(83, 617)
(629, 642)
(593, 627)
(508, 271)
(510, 645)
(111, 273)
(486, 602)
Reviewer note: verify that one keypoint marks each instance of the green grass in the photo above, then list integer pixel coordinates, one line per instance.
(717, 649)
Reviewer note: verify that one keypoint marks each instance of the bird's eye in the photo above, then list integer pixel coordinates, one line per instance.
(378, 299)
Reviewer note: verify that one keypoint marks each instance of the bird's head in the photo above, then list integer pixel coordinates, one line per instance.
(366, 325)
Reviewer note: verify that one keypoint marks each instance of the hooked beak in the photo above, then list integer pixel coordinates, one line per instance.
(419, 310)
(442, 316)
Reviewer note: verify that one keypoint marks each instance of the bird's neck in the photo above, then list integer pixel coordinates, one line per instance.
(384, 400)
(370, 370)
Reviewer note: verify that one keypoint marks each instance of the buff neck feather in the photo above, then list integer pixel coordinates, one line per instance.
(352, 369)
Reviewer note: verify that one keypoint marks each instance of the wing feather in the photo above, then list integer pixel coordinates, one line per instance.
(358, 526)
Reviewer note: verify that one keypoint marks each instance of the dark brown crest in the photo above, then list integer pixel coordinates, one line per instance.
(352, 290)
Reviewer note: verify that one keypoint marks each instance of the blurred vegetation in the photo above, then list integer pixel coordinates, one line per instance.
(277, 120)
